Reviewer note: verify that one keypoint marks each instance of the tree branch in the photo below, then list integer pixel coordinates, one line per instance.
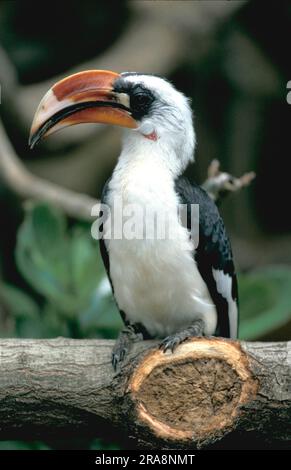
(29, 186)
(218, 184)
(206, 392)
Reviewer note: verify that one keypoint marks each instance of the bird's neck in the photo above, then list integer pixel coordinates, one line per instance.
(144, 173)
(163, 153)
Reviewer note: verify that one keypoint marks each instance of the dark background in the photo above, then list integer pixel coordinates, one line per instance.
(232, 59)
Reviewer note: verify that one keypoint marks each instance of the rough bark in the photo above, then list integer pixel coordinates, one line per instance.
(209, 392)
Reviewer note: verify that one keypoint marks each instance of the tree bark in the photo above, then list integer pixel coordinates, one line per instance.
(209, 393)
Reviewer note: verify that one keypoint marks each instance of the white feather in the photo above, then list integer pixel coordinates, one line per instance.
(156, 282)
(171, 119)
(224, 287)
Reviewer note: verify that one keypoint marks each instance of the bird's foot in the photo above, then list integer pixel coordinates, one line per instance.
(171, 342)
(123, 344)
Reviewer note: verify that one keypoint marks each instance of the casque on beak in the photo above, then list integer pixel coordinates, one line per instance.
(85, 97)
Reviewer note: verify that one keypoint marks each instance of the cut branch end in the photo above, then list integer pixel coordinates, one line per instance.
(194, 393)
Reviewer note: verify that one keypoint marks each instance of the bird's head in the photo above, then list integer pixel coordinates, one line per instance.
(153, 111)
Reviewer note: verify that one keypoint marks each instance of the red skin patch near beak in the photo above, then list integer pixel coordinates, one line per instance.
(152, 136)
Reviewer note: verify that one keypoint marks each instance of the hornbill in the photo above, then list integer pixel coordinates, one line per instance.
(166, 288)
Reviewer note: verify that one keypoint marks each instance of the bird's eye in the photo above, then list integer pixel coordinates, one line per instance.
(140, 103)
(142, 99)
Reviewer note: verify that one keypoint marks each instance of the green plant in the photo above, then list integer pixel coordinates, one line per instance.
(64, 266)
(265, 301)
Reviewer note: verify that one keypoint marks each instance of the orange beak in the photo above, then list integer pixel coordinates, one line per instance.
(85, 97)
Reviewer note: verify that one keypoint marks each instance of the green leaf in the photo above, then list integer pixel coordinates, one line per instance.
(102, 319)
(99, 444)
(53, 324)
(19, 304)
(64, 266)
(41, 251)
(86, 266)
(21, 445)
(29, 328)
(265, 301)
(48, 226)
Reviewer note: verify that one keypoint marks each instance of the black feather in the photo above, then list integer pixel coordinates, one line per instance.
(214, 249)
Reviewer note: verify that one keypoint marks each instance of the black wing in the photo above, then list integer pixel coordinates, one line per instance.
(103, 249)
(102, 245)
(213, 256)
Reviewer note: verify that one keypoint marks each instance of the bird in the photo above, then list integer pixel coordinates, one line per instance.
(171, 288)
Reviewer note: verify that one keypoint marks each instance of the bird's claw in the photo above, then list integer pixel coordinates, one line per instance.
(123, 345)
(172, 342)
(118, 355)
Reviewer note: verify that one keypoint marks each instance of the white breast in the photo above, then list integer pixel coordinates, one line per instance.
(156, 282)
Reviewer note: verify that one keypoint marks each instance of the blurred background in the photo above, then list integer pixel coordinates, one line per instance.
(232, 59)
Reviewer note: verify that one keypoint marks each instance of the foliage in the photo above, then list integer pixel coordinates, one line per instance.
(265, 301)
(63, 265)
(96, 444)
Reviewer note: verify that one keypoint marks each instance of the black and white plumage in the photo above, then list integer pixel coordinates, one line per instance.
(214, 287)
(214, 257)
(163, 287)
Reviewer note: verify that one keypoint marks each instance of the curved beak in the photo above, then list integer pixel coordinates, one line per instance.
(85, 97)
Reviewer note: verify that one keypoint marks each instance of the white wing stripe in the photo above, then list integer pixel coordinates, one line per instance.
(224, 288)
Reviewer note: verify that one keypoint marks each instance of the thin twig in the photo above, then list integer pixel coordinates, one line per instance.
(220, 183)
